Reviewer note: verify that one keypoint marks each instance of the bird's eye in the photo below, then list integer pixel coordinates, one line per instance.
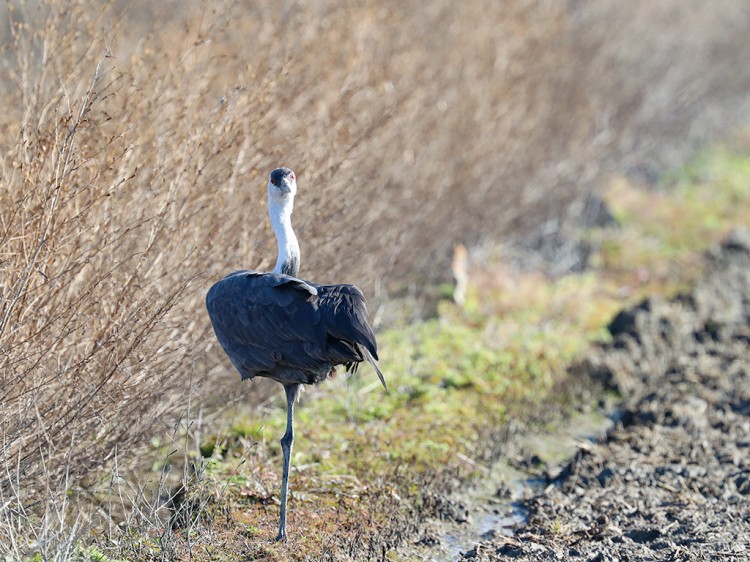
(292, 176)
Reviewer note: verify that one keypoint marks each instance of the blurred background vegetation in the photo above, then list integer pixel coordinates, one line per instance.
(135, 140)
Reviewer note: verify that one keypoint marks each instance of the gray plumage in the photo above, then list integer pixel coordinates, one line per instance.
(289, 330)
(292, 331)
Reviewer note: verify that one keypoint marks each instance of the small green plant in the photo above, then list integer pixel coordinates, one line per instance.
(557, 527)
(90, 554)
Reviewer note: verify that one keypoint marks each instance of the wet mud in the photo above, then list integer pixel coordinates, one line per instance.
(671, 479)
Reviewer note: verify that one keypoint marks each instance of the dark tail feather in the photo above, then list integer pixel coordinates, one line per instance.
(371, 359)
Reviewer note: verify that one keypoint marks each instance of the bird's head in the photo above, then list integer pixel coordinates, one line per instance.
(282, 185)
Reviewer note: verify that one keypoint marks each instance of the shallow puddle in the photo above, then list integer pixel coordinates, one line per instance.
(493, 504)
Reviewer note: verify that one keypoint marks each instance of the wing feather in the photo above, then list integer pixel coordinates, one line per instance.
(263, 320)
(268, 322)
(344, 312)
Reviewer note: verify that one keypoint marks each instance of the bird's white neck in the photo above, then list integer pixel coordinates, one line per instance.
(281, 221)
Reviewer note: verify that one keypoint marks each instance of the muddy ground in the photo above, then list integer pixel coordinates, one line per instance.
(671, 478)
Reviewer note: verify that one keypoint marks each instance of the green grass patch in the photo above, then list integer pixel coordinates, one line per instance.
(664, 232)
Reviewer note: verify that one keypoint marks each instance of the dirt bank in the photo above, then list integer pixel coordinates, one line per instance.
(671, 480)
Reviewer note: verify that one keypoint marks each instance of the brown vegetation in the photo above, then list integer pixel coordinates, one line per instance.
(135, 140)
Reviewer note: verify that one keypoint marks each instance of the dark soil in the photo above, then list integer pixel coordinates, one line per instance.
(671, 480)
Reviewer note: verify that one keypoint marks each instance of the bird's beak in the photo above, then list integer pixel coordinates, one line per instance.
(285, 187)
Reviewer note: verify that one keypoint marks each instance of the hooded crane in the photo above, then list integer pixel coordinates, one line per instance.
(295, 332)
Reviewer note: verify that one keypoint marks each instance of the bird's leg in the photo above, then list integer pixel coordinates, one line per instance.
(292, 391)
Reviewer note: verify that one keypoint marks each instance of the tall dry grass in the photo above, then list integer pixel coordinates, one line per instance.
(135, 139)
(90, 355)
(128, 185)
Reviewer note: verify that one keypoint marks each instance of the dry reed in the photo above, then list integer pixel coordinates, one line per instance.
(134, 143)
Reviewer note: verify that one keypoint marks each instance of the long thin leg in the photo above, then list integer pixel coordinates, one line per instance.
(292, 391)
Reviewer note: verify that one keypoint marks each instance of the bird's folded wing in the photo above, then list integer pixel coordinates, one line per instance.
(263, 320)
(344, 312)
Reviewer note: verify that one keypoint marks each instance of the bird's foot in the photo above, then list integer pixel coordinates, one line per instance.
(281, 536)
